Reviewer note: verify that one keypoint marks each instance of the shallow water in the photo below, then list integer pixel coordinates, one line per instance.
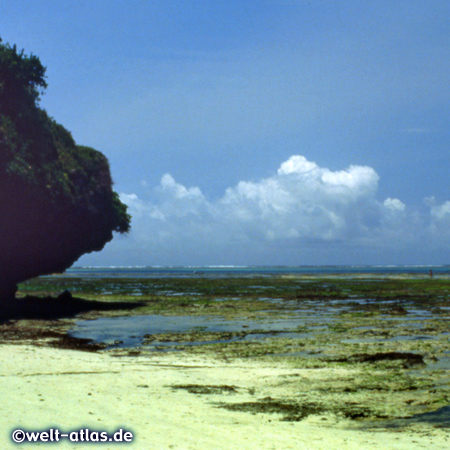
(439, 419)
(384, 339)
(127, 332)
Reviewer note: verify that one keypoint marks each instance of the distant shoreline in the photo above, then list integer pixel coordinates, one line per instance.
(228, 271)
(280, 361)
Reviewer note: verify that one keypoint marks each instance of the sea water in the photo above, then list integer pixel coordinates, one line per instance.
(227, 271)
(130, 331)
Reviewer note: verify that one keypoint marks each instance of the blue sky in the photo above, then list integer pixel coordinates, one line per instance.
(257, 132)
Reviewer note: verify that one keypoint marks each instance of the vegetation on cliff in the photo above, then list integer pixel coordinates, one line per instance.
(56, 197)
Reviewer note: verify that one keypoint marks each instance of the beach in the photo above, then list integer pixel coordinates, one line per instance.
(70, 390)
(267, 362)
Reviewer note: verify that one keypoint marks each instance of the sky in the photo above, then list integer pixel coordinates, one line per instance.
(267, 132)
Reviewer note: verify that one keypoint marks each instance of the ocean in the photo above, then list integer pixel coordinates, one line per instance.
(227, 271)
(195, 299)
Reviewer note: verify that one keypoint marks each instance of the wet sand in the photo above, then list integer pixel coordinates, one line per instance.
(307, 364)
(157, 397)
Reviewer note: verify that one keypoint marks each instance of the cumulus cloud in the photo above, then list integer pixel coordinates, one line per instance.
(302, 200)
(394, 204)
(303, 213)
(438, 212)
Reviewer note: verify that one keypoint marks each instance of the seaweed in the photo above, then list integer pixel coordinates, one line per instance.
(206, 389)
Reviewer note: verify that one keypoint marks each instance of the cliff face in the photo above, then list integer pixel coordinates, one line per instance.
(56, 198)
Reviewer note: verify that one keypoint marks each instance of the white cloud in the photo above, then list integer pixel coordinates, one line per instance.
(169, 185)
(439, 212)
(301, 200)
(394, 204)
(297, 164)
(302, 214)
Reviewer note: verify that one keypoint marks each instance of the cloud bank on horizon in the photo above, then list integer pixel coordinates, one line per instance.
(302, 214)
(219, 95)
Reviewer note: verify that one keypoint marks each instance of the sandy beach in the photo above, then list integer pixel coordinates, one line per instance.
(150, 396)
(196, 363)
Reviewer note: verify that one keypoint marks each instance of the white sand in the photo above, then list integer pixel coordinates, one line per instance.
(43, 387)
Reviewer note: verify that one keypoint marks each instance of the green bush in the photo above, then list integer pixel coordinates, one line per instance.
(56, 198)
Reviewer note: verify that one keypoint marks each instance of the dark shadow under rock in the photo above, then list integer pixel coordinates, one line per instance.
(63, 306)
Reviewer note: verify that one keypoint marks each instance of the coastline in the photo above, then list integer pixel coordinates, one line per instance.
(68, 389)
(307, 363)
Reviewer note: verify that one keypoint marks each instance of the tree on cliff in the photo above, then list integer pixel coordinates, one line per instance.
(56, 198)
